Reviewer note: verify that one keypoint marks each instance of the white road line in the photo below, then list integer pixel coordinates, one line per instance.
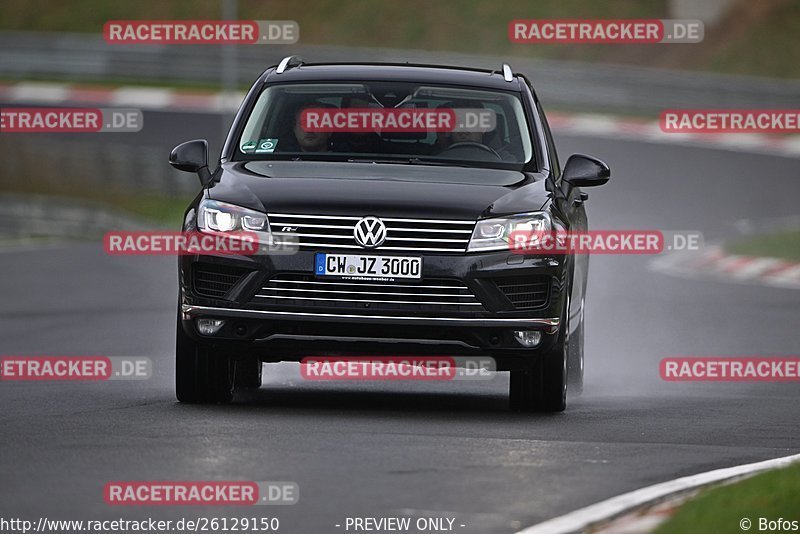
(755, 268)
(687, 262)
(724, 265)
(619, 128)
(790, 144)
(785, 278)
(743, 141)
(715, 264)
(580, 520)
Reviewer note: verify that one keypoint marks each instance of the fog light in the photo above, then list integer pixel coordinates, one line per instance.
(528, 338)
(209, 327)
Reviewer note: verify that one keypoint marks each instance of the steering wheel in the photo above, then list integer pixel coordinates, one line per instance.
(472, 144)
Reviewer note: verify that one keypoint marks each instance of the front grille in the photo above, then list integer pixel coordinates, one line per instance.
(435, 295)
(402, 235)
(525, 292)
(215, 280)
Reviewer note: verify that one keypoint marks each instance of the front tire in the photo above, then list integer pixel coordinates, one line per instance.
(542, 387)
(248, 373)
(575, 362)
(201, 377)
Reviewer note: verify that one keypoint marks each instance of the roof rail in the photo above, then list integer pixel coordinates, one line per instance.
(288, 62)
(508, 75)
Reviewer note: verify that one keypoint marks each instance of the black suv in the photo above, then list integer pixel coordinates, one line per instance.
(384, 242)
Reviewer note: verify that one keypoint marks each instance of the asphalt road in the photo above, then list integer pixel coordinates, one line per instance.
(389, 449)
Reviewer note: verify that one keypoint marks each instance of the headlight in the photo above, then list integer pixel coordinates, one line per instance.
(214, 216)
(494, 234)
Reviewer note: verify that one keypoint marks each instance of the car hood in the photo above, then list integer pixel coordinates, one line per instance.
(384, 190)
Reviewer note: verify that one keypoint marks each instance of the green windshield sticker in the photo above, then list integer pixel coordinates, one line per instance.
(266, 145)
(248, 146)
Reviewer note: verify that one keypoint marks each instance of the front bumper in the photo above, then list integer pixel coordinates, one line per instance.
(548, 325)
(290, 330)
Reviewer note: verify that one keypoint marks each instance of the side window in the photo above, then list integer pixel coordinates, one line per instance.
(551, 146)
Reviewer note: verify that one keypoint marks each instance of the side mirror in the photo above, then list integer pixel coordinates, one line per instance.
(585, 171)
(192, 156)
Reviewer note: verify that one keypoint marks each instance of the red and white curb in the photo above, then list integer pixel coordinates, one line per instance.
(596, 125)
(147, 98)
(596, 516)
(649, 130)
(714, 262)
(645, 521)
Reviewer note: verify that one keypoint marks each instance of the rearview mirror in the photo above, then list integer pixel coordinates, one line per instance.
(192, 156)
(585, 171)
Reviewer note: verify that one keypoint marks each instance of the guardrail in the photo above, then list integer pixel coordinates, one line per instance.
(58, 166)
(39, 216)
(568, 84)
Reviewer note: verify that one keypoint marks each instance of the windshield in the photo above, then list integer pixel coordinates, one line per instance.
(388, 122)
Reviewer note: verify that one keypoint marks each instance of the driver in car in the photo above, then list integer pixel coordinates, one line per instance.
(463, 136)
(311, 141)
(298, 139)
(454, 139)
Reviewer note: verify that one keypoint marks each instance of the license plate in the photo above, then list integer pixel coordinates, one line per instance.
(367, 267)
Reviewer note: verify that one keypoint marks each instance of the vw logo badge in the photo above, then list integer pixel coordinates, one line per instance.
(370, 232)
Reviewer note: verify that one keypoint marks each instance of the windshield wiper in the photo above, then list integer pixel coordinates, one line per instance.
(418, 161)
(407, 161)
(315, 158)
(399, 161)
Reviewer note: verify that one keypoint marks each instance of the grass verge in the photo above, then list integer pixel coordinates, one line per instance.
(164, 212)
(768, 496)
(784, 245)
